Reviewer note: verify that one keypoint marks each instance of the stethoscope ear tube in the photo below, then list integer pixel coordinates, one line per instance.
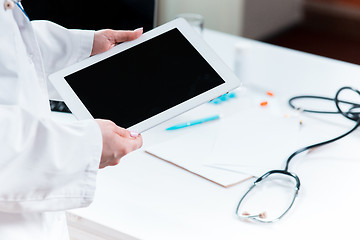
(349, 114)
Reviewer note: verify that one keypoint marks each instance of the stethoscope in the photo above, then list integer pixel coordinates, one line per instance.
(10, 4)
(352, 113)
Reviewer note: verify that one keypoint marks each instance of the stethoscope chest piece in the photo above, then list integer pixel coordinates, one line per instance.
(9, 4)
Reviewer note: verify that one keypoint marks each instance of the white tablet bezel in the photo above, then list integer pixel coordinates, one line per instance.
(80, 111)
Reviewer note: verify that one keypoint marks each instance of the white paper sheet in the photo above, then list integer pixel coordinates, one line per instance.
(245, 145)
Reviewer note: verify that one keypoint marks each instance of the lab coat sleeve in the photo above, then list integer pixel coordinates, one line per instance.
(46, 165)
(61, 47)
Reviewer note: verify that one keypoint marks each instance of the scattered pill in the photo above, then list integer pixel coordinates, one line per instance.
(216, 101)
(270, 93)
(223, 98)
(232, 95)
(264, 103)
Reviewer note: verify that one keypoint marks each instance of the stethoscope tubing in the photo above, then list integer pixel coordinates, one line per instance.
(350, 114)
(354, 116)
(319, 144)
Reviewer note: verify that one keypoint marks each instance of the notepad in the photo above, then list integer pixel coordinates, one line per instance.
(234, 148)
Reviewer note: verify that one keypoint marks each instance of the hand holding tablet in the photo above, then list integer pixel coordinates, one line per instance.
(142, 83)
(117, 142)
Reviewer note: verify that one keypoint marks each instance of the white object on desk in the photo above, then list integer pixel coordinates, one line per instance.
(255, 144)
(192, 150)
(241, 54)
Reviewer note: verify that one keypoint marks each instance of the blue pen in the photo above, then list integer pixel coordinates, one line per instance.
(194, 122)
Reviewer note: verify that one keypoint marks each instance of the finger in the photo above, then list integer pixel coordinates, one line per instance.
(134, 134)
(134, 143)
(124, 36)
(126, 133)
(103, 165)
(114, 162)
(139, 141)
(122, 132)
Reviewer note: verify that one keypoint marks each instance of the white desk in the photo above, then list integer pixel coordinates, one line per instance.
(146, 198)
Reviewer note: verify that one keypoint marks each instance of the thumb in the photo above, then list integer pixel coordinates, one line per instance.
(124, 36)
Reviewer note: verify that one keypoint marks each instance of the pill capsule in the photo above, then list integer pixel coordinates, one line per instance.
(270, 93)
(264, 103)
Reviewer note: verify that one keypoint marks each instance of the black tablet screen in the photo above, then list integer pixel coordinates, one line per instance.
(144, 80)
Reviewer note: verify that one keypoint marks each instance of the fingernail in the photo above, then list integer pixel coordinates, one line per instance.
(134, 134)
(138, 29)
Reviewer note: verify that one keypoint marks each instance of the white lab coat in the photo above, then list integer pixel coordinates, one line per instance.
(46, 166)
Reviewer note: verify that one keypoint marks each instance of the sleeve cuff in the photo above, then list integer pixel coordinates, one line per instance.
(84, 42)
(93, 167)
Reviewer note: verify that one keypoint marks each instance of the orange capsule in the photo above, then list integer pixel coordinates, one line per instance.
(270, 93)
(264, 103)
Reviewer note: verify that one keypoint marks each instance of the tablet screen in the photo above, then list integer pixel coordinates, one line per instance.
(144, 80)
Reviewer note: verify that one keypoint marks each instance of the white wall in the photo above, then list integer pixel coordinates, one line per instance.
(251, 18)
(221, 15)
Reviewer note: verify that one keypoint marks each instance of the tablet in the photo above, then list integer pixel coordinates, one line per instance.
(142, 83)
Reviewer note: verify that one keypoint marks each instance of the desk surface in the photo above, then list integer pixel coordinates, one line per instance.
(147, 198)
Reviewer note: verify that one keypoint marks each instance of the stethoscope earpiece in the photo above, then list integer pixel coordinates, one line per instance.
(8, 5)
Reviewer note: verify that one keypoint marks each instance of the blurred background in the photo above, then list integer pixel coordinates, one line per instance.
(324, 27)
(329, 28)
